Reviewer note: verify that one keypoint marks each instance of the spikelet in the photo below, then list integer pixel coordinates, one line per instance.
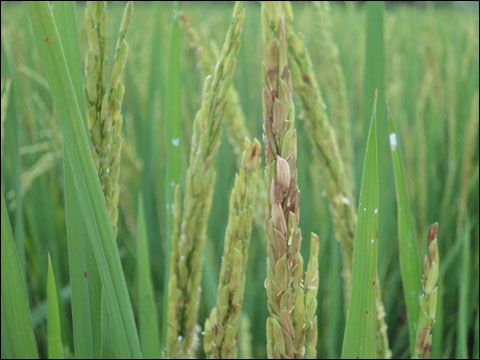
(332, 81)
(221, 328)
(428, 299)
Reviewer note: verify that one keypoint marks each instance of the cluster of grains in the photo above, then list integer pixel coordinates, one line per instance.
(291, 320)
(188, 241)
(104, 98)
(332, 78)
(329, 159)
(234, 118)
(428, 299)
(221, 328)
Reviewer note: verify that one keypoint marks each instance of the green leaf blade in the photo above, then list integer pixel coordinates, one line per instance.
(16, 317)
(410, 267)
(54, 335)
(147, 313)
(81, 275)
(360, 331)
(86, 322)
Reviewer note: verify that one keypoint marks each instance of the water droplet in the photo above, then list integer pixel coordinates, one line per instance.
(180, 338)
(108, 171)
(393, 141)
(364, 209)
(373, 240)
(176, 141)
(376, 211)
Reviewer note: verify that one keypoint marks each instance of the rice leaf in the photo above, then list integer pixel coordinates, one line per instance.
(66, 21)
(87, 185)
(407, 239)
(360, 331)
(6, 351)
(375, 79)
(86, 322)
(147, 312)
(16, 317)
(150, 139)
(12, 162)
(475, 348)
(84, 277)
(54, 332)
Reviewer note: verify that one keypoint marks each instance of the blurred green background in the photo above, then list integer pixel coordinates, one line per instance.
(431, 84)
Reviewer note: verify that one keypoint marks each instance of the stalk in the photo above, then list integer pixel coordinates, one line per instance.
(286, 326)
(188, 242)
(428, 299)
(221, 328)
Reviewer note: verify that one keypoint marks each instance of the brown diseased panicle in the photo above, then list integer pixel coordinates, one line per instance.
(289, 325)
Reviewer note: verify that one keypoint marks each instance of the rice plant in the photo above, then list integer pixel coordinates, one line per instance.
(134, 226)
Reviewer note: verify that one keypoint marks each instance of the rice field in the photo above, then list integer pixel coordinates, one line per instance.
(239, 180)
